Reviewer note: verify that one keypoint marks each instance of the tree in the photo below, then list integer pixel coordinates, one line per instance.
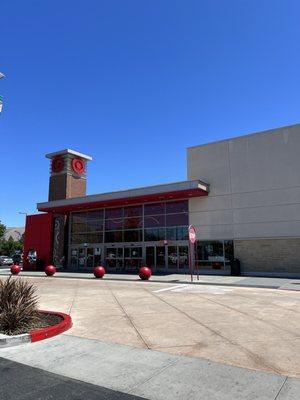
(2, 230)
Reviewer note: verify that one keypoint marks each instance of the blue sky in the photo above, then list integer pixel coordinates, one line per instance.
(134, 82)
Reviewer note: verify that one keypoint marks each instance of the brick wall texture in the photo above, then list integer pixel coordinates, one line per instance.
(66, 186)
(268, 255)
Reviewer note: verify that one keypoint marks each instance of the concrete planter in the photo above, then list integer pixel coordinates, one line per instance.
(38, 334)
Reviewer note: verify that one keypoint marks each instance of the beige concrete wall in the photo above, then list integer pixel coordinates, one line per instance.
(254, 186)
(280, 256)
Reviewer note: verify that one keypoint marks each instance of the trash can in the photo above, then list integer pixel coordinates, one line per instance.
(235, 267)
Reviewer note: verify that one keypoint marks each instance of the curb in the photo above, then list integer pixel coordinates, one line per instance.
(38, 334)
(174, 281)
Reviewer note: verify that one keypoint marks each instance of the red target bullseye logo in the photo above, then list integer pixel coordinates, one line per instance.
(78, 166)
(57, 164)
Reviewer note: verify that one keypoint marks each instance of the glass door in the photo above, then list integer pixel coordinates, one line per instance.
(81, 257)
(150, 257)
(114, 258)
(156, 257)
(183, 258)
(90, 258)
(74, 258)
(173, 258)
(178, 258)
(97, 256)
(160, 258)
(133, 257)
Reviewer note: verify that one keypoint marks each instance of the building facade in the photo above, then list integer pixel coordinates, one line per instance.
(242, 195)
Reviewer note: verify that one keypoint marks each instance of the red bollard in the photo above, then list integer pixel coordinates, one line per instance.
(145, 273)
(99, 271)
(15, 269)
(50, 270)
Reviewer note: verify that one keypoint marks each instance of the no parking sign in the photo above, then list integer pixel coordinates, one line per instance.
(192, 234)
(192, 241)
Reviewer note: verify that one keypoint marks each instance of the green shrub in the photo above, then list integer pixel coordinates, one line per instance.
(18, 306)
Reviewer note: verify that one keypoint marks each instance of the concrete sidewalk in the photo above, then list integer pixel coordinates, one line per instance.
(151, 374)
(220, 280)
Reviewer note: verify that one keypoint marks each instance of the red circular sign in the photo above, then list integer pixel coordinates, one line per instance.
(78, 166)
(192, 234)
(57, 164)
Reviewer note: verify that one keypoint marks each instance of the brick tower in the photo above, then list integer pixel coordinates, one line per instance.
(67, 174)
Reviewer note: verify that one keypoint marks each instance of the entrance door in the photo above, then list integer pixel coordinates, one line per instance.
(133, 257)
(114, 258)
(150, 257)
(83, 258)
(172, 258)
(89, 257)
(183, 258)
(156, 257)
(178, 258)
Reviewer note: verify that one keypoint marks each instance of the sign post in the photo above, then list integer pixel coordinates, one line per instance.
(192, 241)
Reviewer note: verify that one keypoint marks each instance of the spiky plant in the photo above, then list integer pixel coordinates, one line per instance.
(18, 306)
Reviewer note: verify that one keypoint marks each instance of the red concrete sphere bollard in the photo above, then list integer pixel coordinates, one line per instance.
(145, 273)
(50, 270)
(15, 269)
(99, 271)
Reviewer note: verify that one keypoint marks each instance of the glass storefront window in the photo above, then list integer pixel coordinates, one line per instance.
(154, 209)
(78, 227)
(133, 236)
(133, 211)
(95, 237)
(214, 254)
(154, 234)
(94, 225)
(182, 233)
(113, 236)
(132, 223)
(177, 219)
(113, 212)
(174, 207)
(179, 233)
(90, 215)
(78, 238)
(154, 220)
(113, 224)
(157, 221)
(79, 218)
(210, 251)
(229, 252)
(171, 234)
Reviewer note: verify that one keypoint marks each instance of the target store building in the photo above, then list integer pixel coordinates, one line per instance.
(241, 194)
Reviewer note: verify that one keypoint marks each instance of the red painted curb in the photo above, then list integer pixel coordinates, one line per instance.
(45, 333)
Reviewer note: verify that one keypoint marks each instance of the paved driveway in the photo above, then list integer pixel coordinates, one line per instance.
(253, 328)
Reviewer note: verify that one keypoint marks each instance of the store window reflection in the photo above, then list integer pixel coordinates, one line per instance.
(215, 255)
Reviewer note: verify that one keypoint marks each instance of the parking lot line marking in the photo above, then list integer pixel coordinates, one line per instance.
(169, 288)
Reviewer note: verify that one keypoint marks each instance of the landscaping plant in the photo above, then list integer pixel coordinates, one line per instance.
(18, 306)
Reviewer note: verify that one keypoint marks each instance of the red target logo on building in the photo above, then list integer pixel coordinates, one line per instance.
(78, 166)
(57, 164)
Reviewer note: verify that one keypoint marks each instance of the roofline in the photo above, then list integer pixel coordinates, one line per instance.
(68, 151)
(244, 136)
(125, 194)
